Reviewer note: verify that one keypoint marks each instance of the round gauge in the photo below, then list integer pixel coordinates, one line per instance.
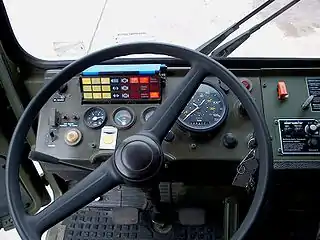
(95, 117)
(148, 113)
(123, 117)
(206, 110)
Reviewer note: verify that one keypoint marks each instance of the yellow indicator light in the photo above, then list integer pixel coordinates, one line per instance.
(105, 80)
(87, 95)
(106, 95)
(96, 88)
(96, 95)
(106, 88)
(95, 80)
(87, 88)
(108, 139)
(212, 108)
(86, 81)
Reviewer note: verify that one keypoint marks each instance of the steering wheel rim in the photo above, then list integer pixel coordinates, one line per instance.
(24, 223)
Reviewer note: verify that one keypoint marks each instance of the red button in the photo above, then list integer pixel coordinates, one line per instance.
(154, 87)
(144, 79)
(154, 95)
(134, 80)
(134, 87)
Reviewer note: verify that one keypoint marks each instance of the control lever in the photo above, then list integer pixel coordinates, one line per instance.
(246, 170)
(307, 102)
(41, 157)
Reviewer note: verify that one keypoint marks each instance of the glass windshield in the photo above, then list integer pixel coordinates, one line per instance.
(60, 30)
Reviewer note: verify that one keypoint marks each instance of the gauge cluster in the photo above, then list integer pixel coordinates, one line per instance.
(211, 126)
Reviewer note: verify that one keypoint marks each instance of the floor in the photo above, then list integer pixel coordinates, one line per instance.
(55, 30)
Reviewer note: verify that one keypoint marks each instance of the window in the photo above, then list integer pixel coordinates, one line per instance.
(60, 29)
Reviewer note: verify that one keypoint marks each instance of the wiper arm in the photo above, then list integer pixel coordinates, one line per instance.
(210, 45)
(227, 48)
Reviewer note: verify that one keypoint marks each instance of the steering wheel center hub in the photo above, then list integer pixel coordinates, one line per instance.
(137, 155)
(138, 158)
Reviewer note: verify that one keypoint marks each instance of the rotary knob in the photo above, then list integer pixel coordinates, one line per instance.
(313, 143)
(229, 140)
(311, 128)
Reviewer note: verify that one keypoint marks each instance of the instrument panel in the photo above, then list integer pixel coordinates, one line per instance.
(74, 126)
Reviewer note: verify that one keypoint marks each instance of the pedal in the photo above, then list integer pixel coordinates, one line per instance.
(97, 223)
(125, 216)
(192, 216)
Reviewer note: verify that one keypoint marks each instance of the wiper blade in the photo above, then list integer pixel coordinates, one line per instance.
(227, 48)
(210, 45)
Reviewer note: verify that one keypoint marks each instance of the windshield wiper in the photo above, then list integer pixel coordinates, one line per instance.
(227, 48)
(210, 45)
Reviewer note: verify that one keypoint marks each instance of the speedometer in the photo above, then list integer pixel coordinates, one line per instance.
(206, 110)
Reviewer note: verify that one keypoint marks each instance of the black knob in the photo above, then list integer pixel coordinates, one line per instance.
(63, 88)
(229, 140)
(169, 137)
(76, 117)
(313, 142)
(242, 110)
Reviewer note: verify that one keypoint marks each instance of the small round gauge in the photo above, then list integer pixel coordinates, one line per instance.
(206, 110)
(95, 117)
(148, 113)
(123, 117)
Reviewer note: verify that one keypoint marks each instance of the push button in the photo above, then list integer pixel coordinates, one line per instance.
(72, 137)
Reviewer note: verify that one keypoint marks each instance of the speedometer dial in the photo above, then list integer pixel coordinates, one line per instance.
(206, 110)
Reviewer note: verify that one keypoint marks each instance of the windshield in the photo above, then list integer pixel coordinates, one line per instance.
(61, 30)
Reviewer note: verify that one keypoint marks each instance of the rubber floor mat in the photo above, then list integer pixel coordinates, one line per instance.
(95, 223)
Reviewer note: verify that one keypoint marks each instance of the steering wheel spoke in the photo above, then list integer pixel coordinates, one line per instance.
(98, 182)
(165, 116)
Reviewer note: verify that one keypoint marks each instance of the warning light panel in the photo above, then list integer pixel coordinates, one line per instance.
(126, 83)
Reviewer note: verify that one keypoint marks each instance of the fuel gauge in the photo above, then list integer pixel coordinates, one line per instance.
(123, 117)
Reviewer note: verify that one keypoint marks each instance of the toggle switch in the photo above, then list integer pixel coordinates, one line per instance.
(282, 90)
(307, 102)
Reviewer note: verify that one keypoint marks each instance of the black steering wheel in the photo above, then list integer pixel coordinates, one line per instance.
(139, 158)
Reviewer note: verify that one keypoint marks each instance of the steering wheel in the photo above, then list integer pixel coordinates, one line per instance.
(139, 158)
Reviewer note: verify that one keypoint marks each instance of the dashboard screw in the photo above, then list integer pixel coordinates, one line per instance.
(264, 85)
(276, 122)
(93, 145)
(279, 150)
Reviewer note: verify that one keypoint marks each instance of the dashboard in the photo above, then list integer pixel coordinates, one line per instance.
(105, 104)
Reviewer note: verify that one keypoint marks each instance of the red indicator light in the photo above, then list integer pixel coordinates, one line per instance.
(154, 95)
(134, 80)
(135, 95)
(246, 83)
(154, 87)
(134, 87)
(144, 79)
